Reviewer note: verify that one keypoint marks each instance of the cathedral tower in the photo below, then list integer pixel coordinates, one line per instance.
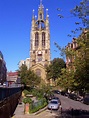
(40, 42)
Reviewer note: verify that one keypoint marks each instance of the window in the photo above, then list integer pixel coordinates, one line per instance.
(33, 51)
(45, 51)
(40, 25)
(36, 39)
(43, 39)
(40, 16)
(39, 58)
(38, 72)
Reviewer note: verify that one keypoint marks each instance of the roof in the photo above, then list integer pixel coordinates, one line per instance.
(12, 73)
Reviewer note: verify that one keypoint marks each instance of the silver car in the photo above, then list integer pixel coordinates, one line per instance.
(53, 104)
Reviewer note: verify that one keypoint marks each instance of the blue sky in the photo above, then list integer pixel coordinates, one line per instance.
(15, 26)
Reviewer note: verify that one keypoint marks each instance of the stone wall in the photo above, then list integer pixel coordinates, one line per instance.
(8, 105)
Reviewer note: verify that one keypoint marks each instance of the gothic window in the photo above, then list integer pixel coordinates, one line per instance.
(71, 45)
(38, 72)
(43, 39)
(40, 24)
(40, 16)
(45, 51)
(36, 39)
(39, 58)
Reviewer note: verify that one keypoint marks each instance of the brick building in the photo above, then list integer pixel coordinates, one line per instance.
(75, 48)
(12, 76)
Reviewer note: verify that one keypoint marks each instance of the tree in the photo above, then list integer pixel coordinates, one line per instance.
(78, 79)
(22, 73)
(66, 79)
(75, 77)
(82, 12)
(54, 69)
(28, 77)
(81, 63)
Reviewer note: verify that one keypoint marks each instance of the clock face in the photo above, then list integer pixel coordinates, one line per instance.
(39, 52)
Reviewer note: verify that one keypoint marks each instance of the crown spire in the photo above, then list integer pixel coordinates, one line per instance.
(40, 2)
(33, 14)
(41, 11)
(41, 6)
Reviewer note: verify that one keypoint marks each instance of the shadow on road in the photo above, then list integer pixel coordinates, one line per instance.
(73, 113)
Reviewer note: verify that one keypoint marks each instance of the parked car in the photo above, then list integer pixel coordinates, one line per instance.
(56, 91)
(57, 98)
(63, 93)
(54, 104)
(79, 98)
(73, 96)
(86, 99)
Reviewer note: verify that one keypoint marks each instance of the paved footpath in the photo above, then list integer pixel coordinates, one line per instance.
(19, 113)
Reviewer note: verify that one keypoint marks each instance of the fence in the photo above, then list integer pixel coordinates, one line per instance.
(35, 106)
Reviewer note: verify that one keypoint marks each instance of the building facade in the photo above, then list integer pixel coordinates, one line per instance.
(3, 69)
(73, 46)
(12, 76)
(40, 42)
(26, 62)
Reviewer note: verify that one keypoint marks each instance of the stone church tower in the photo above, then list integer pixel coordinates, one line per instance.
(40, 42)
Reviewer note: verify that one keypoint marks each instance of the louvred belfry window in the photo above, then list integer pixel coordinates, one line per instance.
(43, 39)
(40, 16)
(36, 39)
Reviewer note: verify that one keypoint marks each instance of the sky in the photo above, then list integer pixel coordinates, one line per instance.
(15, 27)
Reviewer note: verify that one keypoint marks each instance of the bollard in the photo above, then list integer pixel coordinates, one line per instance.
(27, 108)
(60, 109)
(51, 109)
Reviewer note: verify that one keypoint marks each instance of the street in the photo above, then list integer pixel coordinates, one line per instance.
(69, 103)
(66, 104)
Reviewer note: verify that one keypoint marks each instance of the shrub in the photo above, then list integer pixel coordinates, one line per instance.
(27, 100)
(34, 107)
(26, 92)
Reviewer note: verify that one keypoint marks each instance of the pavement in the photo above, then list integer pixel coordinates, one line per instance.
(19, 112)
(43, 113)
